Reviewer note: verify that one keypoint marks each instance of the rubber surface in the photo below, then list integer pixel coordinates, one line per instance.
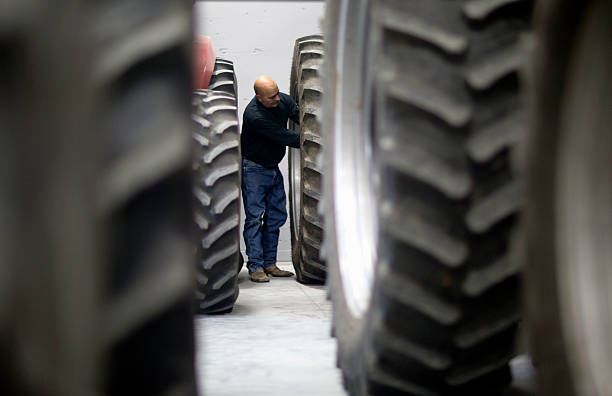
(217, 199)
(446, 114)
(567, 165)
(306, 91)
(97, 296)
(143, 70)
(223, 78)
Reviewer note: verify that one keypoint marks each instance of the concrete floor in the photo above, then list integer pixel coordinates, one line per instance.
(277, 342)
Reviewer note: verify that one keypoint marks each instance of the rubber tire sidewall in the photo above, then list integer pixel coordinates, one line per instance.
(558, 27)
(351, 332)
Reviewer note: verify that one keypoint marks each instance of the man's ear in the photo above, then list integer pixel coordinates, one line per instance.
(258, 97)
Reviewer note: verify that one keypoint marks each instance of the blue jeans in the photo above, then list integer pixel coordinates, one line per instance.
(263, 195)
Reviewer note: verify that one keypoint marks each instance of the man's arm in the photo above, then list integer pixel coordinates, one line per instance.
(274, 132)
(294, 112)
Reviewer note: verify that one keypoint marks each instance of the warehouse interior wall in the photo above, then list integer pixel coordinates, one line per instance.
(258, 36)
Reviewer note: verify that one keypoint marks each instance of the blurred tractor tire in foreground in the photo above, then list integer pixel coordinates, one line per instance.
(421, 114)
(216, 166)
(97, 278)
(568, 219)
(304, 170)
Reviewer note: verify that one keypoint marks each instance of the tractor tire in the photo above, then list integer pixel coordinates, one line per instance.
(306, 222)
(145, 188)
(421, 112)
(568, 218)
(223, 78)
(216, 189)
(99, 280)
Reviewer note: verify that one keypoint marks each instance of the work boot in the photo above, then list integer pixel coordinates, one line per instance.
(259, 276)
(275, 271)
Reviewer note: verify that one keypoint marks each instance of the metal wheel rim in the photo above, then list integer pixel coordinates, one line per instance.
(355, 215)
(584, 236)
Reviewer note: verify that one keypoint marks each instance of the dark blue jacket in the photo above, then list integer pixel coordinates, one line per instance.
(264, 131)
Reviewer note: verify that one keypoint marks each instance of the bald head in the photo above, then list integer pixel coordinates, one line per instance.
(266, 91)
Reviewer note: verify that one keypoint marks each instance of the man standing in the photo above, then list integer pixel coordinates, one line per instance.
(263, 140)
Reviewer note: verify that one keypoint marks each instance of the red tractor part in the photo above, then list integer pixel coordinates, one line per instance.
(203, 61)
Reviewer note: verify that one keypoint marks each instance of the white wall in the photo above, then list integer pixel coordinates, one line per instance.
(259, 37)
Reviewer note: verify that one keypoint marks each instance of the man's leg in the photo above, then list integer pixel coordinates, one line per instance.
(274, 218)
(255, 183)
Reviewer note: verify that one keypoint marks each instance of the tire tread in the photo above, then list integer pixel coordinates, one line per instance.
(217, 200)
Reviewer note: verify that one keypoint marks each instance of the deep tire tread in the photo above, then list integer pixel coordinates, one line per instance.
(445, 195)
(223, 78)
(306, 90)
(216, 198)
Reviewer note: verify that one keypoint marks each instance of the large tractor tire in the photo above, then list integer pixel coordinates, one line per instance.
(304, 169)
(97, 292)
(421, 112)
(568, 219)
(217, 199)
(223, 78)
